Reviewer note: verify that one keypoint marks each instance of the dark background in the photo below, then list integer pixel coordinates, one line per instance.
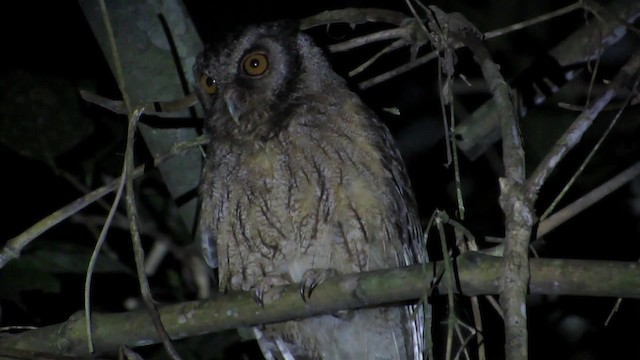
(48, 45)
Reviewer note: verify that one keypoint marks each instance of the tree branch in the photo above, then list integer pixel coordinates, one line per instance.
(573, 134)
(478, 274)
(480, 130)
(13, 247)
(514, 201)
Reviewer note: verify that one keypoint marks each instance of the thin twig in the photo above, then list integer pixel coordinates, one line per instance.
(359, 16)
(600, 12)
(448, 279)
(397, 71)
(391, 47)
(161, 108)
(591, 153)
(479, 328)
(83, 189)
(467, 242)
(574, 133)
(488, 35)
(114, 53)
(614, 310)
(538, 19)
(367, 39)
(353, 16)
(94, 259)
(595, 195)
(138, 251)
(14, 246)
(464, 340)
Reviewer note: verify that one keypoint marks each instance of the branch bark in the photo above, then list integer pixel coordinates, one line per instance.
(477, 273)
(622, 82)
(516, 204)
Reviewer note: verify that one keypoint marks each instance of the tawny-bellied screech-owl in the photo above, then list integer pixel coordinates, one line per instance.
(302, 180)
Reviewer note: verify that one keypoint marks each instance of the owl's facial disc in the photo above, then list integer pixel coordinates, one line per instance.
(253, 66)
(210, 86)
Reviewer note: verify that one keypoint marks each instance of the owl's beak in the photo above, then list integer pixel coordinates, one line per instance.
(231, 106)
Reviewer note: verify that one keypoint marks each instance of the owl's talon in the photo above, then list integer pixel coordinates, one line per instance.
(302, 292)
(311, 279)
(258, 296)
(303, 289)
(265, 285)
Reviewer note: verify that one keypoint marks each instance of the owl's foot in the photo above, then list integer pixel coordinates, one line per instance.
(312, 278)
(264, 285)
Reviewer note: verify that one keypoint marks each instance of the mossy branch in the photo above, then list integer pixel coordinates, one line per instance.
(477, 274)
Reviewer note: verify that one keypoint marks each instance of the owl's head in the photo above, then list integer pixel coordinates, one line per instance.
(249, 82)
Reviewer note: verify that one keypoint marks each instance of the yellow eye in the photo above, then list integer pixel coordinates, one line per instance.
(208, 84)
(255, 64)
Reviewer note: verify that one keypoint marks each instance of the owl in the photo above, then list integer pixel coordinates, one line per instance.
(302, 181)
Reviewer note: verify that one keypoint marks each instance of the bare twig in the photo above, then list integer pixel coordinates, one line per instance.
(614, 310)
(138, 251)
(94, 259)
(383, 35)
(393, 46)
(448, 280)
(574, 133)
(353, 16)
(407, 26)
(397, 71)
(601, 12)
(161, 108)
(114, 52)
(479, 328)
(13, 247)
(595, 195)
(592, 152)
(536, 20)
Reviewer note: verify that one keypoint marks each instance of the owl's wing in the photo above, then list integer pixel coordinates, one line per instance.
(407, 220)
(205, 225)
(414, 253)
(209, 249)
(414, 248)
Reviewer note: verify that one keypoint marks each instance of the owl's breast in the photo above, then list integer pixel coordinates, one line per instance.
(305, 200)
(250, 213)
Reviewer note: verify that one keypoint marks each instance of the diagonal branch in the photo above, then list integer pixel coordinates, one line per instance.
(13, 247)
(595, 195)
(622, 82)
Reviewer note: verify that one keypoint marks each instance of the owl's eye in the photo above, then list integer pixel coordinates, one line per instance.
(255, 64)
(208, 84)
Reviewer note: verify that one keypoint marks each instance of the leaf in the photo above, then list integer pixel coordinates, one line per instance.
(71, 259)
(23, 275)
(40, 116)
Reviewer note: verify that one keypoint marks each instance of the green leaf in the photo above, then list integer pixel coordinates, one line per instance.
(40, 116)
(70, 259)
(22, 275)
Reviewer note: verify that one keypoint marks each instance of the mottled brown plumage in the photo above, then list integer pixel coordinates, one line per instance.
(302, 178)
